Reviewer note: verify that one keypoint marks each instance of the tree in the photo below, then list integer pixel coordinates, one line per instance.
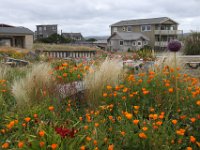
(91, 40)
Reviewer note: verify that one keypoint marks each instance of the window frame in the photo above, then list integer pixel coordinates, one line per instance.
(121, 41)
(140, 43)
(145, 28)
(129, 27)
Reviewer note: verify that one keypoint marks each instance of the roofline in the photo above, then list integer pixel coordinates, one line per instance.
(15, 34)
(171, 20)
(47, 25)
(116, 33)
(113, 25)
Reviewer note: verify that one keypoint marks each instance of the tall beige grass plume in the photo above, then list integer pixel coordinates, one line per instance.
(107, 73)
(28, 90)
(3, 72)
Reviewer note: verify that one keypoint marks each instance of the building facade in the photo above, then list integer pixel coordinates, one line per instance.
(44, 31)
(124, 41)
(159, 30)
(20, 37)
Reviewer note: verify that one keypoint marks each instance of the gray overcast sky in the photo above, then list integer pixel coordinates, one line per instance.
(93, 17)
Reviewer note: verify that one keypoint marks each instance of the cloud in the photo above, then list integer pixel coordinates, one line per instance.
(93, 17)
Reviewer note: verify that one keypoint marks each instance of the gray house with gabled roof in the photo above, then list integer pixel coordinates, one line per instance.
(73, 36)
(159, 30)
(123, 41)
(16, 36)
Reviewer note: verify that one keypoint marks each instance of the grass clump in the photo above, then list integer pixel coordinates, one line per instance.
(108, 73)
(30, 89)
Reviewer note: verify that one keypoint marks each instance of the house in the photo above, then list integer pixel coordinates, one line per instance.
(44, 31)
(73, 36)
(159, 30)
(16, 36)
(124, 41)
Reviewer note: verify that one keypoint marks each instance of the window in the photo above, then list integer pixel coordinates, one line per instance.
(129, 28)
(124, 29)
(121, 42)
(139, 43)
(145, 42)
(115, 29)
(40, 28)
(146, 27)
(45, 28)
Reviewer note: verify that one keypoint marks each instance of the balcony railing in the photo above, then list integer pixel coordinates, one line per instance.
(168, 32)
(161, 44)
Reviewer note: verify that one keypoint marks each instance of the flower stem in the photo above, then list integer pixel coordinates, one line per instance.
(176, 83)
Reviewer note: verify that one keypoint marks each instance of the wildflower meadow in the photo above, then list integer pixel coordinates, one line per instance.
(117, 109)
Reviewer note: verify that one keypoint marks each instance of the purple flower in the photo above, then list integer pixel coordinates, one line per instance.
(174, 46)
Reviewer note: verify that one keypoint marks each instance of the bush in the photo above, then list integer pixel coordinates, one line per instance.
(192, 44)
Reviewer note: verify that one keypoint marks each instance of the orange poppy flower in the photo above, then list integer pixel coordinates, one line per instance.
(135, 122)
(51, 108)
(54, 146)
(192, 139)
(142, 135)
(27, 119)
(20, 144)
(5, 145)
(82, 147)
(41, 133)
(42, 144)
(128, 115)
(171, 90)
(111, 147)
(174, 122)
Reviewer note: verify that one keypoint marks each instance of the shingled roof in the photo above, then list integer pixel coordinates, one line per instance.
(129, 36)
(70, 35)
(142, 21)
(15, 30)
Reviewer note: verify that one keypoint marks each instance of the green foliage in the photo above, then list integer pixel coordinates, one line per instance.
(91, 40)
(192, 44)
(55, 38)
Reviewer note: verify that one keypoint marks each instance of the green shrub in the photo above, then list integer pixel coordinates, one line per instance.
(192, 44)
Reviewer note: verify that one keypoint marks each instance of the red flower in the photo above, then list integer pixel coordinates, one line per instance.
(65, 132)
